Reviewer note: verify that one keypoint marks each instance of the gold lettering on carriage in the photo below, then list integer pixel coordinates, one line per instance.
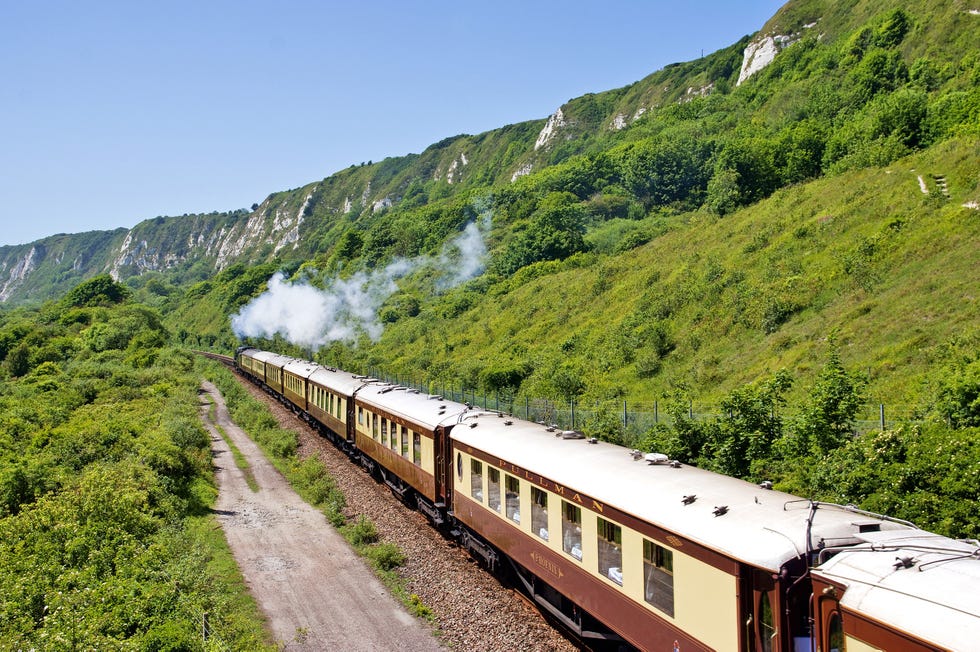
(551, 485)
(547, 564)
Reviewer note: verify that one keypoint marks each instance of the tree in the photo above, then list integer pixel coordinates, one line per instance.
(749, 426)
(958, 395)
(18, 361)
(99, 290)
(723, 193)
(827, 420)
(556, 231)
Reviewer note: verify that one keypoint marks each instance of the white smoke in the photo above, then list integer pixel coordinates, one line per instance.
(312, 317)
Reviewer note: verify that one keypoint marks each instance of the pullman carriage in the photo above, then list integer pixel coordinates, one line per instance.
(246, 361)
(398, 432)
(271, 365)
(330, 403)
(911, 591)
(294, 382)
(664, 555)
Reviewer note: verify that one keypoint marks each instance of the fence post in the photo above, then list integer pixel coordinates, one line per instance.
(625, 416)
(571, 407)
(881, 412)
(656, 411)
(690, 409)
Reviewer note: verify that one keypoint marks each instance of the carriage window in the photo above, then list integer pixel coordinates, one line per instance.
(512, 497)
(835, 634)
(384, 432)
(539, 512)
(404, 434)
(417, 448)
(394, 438)
(767, 627)
(571, 529)
(476, 479)
(360, 415)
(493, 488)
(658, 576)
(610, 540)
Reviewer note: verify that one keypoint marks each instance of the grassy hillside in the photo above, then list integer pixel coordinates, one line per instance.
(682, 235)
(715, 302)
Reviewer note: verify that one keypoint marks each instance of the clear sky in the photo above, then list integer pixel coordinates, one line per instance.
(112, 112)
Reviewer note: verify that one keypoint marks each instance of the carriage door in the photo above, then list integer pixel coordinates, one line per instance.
(760, 606)
(443, 472)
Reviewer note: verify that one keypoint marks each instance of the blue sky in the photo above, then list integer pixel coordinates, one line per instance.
(116, 112)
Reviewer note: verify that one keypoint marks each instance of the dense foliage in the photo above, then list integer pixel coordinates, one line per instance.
(105, 481)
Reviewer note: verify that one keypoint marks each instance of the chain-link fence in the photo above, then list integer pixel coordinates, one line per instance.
(635, 419)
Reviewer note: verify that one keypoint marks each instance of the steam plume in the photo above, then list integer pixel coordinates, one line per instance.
(310, 317)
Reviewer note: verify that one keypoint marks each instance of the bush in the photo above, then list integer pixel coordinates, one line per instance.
(386, 556)
(362, 532)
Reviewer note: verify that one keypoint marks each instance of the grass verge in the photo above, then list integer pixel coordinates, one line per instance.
(310, 479)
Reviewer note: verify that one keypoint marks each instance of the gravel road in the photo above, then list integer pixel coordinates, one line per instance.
(316, 593)
(472, 610)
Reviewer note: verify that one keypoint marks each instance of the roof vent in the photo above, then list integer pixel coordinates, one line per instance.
(550, 429)
(903, 562)
(508, 422)
(474, 424)
(687, 500)
(657, 458)
(720, 511)
(435, 397)
(593, 440)
(766, 484)
(636, 454)
(674, 464)
(572, 434)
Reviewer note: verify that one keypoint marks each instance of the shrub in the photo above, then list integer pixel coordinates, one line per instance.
(362, 532)
(386, 556)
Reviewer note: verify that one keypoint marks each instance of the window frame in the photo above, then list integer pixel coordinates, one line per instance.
(609, 539)
(512, 506)
(658, 576)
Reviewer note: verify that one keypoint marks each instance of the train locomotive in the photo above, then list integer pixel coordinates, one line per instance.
(627, 549)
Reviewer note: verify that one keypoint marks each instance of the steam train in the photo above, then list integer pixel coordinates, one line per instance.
(628, 549)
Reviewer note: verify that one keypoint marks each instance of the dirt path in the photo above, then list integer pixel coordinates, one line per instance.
(314, 590)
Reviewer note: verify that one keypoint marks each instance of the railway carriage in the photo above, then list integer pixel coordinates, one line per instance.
(265, 366)
(401, 437)
(912, 591)
(295, 376)
(330, 402)
(666, 556)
